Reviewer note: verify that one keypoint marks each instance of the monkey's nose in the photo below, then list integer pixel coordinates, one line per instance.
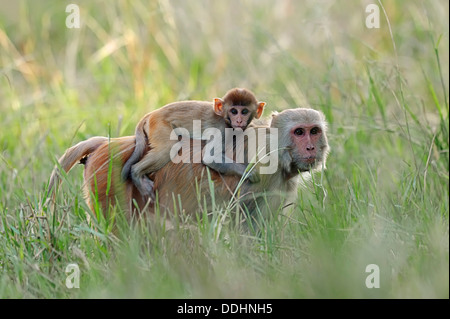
(310, 147)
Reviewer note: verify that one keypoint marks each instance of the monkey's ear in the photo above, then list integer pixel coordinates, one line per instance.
(260, 109)
(218, 106)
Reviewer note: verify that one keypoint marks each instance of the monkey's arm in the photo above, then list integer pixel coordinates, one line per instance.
(232, 168)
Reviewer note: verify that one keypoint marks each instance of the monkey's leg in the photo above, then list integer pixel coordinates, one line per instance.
(154, 160)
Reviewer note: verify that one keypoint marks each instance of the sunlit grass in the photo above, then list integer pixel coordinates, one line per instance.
(382, 200)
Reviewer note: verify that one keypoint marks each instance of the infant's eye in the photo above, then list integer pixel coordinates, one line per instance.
(244, 111)
(298, 131)
(234, 111)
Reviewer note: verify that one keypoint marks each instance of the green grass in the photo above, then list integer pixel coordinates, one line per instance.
(382, 200)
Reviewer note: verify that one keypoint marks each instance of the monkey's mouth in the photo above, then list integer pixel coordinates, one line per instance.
(309, 159)
(307, 164)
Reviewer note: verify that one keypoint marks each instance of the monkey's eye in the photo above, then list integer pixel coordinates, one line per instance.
(234, 111)
(315, 130)
(244, 111)
(299, 131)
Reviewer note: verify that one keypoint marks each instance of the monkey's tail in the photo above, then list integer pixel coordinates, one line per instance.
(71, 157)
(139, 149)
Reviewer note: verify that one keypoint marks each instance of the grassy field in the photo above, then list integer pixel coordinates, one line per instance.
(384, 198)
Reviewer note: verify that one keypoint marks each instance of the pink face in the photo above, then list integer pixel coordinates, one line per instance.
(306, 137)
(239, 116)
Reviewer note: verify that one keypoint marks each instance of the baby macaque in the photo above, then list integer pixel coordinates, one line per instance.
(235, 110)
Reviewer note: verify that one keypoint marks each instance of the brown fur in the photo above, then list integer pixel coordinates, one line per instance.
(154, 130)
(187, 183)
(241, 97)
(96, 154)
(73, 155)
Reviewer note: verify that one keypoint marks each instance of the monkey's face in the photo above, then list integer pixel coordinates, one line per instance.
(239, 116)
(302, 133)
(309, 146)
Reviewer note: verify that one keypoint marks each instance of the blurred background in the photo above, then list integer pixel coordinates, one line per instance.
(128, 58)
(383, 90)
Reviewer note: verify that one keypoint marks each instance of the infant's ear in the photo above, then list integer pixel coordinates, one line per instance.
(259, 109)
(218, 106)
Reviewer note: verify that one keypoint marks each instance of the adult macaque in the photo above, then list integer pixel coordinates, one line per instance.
(302, 148)
(102, 175)
(235, 110)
